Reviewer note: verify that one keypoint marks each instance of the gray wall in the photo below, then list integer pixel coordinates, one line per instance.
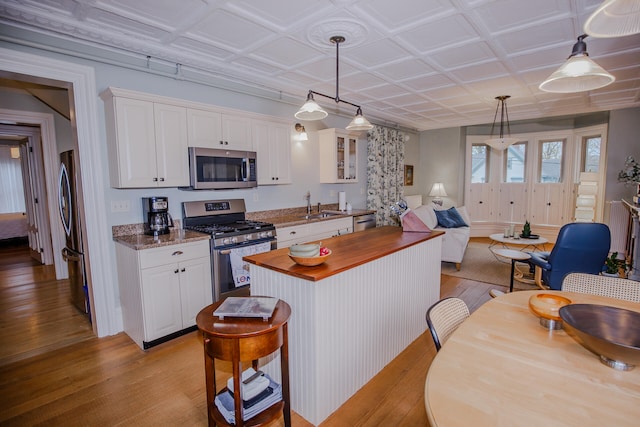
(624, 140)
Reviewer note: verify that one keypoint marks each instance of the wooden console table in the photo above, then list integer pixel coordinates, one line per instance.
(239, 339)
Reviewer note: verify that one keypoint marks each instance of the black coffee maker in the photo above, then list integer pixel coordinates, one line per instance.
(156, 215)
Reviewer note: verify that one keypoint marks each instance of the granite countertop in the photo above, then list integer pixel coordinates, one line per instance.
(295, 216)
(140, 241)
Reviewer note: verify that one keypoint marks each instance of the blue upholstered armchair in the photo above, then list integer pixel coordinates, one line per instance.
(581, 247)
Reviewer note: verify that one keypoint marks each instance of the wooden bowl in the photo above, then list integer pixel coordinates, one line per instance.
(610, 332)
(310, 261)
(547, 308)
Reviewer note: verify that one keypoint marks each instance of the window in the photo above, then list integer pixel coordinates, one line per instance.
(479, 163)
(551, 153)
(514, 163)
(11, 190)
(590, 154)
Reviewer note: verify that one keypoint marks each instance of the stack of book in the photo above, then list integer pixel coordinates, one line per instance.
(271, 395)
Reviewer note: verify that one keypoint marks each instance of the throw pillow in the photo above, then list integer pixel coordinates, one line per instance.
(450, 218)
(426, 215)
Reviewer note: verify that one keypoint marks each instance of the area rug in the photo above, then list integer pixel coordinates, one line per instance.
(481, 265)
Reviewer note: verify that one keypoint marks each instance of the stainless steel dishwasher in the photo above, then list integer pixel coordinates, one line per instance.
(362, 222)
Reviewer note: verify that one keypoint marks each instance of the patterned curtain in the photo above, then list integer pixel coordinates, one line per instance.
(385, 172)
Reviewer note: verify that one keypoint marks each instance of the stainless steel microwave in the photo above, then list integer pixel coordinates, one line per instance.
(215, 169)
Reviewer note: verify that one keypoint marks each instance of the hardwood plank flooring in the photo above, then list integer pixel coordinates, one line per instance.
(51, 373)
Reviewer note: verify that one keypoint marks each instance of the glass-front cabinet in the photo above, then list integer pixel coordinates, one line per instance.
(338, 156)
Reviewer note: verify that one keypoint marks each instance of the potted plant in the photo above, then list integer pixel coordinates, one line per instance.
(526, 230)
(613, 265)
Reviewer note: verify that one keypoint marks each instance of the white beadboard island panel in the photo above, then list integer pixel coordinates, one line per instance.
(345, 328)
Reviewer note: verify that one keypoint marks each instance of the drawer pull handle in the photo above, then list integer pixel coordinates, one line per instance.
(177, 253)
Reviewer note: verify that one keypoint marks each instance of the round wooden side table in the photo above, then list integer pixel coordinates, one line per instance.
(241, 339)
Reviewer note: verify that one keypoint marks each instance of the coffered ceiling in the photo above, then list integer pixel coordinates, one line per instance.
(422, 64)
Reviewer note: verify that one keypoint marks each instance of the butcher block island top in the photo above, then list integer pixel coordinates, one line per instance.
(348, 251)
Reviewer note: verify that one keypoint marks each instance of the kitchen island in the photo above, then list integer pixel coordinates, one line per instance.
(351, 315)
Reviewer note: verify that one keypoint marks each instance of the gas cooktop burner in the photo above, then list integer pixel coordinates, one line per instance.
(235, 227)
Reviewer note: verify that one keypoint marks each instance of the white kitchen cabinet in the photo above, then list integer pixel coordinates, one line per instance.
(163, 289)
(338, 156)
(313, 231)
(211, 129)
(272, 142)
(147, 143)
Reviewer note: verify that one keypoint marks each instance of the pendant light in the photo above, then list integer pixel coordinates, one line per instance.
(614, 18)
(578, 74)
(312, 111)
(501, 142)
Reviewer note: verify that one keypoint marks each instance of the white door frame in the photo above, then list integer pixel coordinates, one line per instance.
(105, 307)
(44, 153)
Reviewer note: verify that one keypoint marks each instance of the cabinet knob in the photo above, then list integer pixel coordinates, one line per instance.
(548, 204)
(480, 202)
(161, 179)
(177, 253)
(183, 270)
(155, 179)
(175, 271)
(221, 142)
(292, 232)
(511, 202)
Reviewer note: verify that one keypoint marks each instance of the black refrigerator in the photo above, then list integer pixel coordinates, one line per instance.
(73, 252)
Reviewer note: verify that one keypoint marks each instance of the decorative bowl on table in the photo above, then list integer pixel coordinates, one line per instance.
(310, 261)
(547, 308)
(610, 332)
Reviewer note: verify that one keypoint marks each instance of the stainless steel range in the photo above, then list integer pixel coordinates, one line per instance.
(232, 237)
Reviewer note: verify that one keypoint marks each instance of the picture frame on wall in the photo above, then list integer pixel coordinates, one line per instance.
(408, 174)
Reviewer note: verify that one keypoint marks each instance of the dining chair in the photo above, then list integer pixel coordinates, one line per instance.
(444, 317)
(612, 287)
(581, 247)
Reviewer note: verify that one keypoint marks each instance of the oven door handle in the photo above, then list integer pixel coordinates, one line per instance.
(224, 251)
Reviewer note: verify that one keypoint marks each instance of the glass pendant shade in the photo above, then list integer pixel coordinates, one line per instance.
(578, 74)
(614, 18)
(359, 122)
(311, 110)
(500, 143)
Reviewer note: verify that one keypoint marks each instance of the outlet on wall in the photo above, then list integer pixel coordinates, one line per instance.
(120, 206)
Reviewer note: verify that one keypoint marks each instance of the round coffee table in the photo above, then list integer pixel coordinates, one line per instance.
(514, 256)
(522, 243)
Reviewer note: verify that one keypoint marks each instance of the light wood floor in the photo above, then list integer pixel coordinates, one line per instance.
(53, 371)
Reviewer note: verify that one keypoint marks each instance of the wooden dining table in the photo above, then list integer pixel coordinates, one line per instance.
(502, 368)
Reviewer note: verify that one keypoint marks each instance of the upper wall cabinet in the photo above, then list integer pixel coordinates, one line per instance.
(272, 142)
(338, 156)
(147, 143)
(210, 129)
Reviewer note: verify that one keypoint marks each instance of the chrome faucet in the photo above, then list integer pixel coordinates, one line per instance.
(308, 197)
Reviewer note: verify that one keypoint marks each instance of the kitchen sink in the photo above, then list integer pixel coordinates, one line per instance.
(319, 215)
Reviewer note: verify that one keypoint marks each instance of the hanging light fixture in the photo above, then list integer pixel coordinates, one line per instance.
(312, 111)
(614, 18)
(501, 142)
(578, 74)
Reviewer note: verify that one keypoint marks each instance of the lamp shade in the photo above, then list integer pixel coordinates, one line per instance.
(310, 110)
(437, 190)
(614, 18)
(500, 143)
(578, 74)
(359, 122)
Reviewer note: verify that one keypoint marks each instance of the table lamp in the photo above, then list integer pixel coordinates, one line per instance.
(438, 192)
